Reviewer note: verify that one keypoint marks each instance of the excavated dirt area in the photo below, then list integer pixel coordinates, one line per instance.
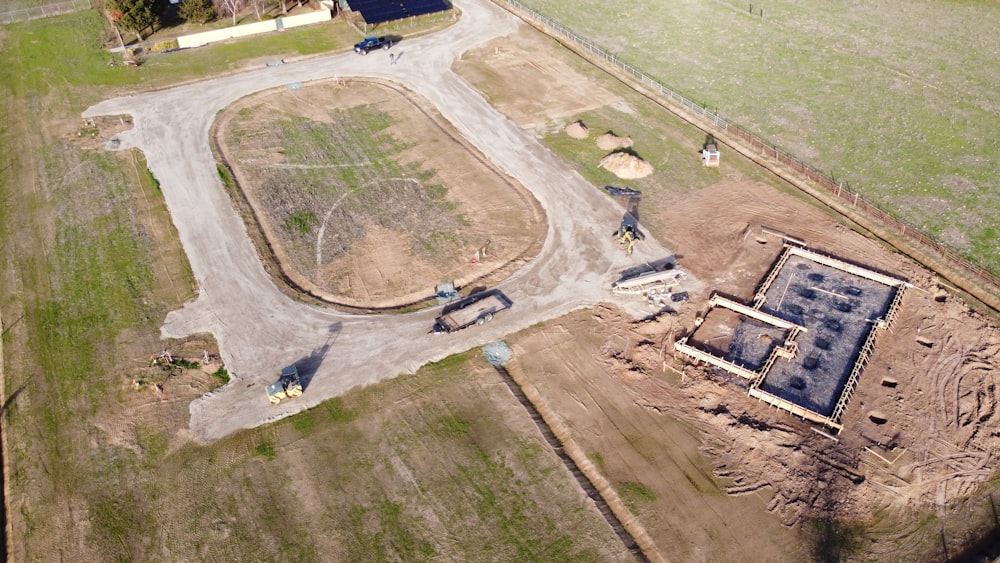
(919, 434)
(367, 197)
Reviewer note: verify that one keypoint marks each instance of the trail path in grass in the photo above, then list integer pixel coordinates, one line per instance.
(260, 330)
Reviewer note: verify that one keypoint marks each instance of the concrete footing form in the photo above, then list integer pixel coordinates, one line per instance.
(808, 335)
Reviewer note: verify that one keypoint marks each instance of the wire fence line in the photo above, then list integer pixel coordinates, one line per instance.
(839, 189)
(39, 12)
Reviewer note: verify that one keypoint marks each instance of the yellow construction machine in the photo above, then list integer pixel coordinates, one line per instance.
(628, 232)
(286, 387)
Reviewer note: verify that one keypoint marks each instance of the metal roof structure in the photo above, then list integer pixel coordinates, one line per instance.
(379, 11)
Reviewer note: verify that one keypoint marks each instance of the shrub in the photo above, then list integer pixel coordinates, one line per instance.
(265, 449)
(222, 375)
(197, 11)
(165, 46)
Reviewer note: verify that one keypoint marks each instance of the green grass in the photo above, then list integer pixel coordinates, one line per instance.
(98, 275)
(301, 222)
(450, 361)
(842, 90)
(453, 425)
(632, 492)
(304, 421)
(152, 179)
(13, 5)
(221, 374)
(265, 449)
(64, 53)
(79, 268)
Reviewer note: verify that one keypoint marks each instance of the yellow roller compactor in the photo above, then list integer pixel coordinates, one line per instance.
(287, 386)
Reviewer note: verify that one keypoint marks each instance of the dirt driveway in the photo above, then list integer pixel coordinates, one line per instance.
(259, 329)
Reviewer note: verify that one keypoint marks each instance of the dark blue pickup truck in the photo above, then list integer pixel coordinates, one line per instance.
(372, 43)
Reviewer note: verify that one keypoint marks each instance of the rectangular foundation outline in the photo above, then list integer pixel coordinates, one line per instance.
(788, 347)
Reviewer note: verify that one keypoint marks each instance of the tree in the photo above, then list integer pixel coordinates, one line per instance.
(229, 8)
(134, 15)
(197, 11)
(258, 8)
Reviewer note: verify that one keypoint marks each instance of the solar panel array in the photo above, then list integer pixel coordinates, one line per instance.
(379, 11)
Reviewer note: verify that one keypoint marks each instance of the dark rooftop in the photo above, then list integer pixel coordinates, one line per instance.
(380, 11)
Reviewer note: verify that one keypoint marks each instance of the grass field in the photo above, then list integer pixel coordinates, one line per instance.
(452, 471)
(445, 474)
(91, 266)
(897, 99)
(351, 166)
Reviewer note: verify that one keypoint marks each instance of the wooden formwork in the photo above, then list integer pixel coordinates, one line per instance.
(845, 266)
(796, 410)
(865, 354)
(789, 347)
(758, 299)
(719, 301)
(700, 356)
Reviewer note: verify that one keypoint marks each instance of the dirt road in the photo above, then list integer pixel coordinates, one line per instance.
(259, 329)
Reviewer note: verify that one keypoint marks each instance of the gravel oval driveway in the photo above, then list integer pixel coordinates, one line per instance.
(260, 330)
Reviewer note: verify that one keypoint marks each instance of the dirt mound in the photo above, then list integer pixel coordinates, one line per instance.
(578, 130)
(609, 142)
(626, 166)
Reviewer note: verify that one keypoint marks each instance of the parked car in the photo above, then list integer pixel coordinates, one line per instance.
(372, 43)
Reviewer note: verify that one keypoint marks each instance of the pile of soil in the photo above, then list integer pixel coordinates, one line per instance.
(626, 166)
(610, 142)
(578, 130)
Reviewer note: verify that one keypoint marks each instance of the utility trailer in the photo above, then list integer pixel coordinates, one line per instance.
(475, 310)
(652, 282)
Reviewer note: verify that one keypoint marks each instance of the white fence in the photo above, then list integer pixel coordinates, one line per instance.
(277, 24)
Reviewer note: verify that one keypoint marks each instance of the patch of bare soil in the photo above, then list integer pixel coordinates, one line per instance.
(355, 244)
(155, 392)
(94, 132)
(547, 89)
(609, 142)
(578, 130)
(597, 372)
(919, 434)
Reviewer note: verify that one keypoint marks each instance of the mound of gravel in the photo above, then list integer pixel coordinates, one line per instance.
(626, 166)
(577, 130)
(609, 142)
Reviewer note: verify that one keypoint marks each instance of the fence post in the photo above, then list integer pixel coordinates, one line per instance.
(843, 189)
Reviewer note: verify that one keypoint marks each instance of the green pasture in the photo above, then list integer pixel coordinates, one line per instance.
(898, 99)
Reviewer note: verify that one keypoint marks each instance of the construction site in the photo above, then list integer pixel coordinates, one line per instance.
(693, 386)
(806, 339)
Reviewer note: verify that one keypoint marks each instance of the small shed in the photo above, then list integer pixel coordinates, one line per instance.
(710, 155)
